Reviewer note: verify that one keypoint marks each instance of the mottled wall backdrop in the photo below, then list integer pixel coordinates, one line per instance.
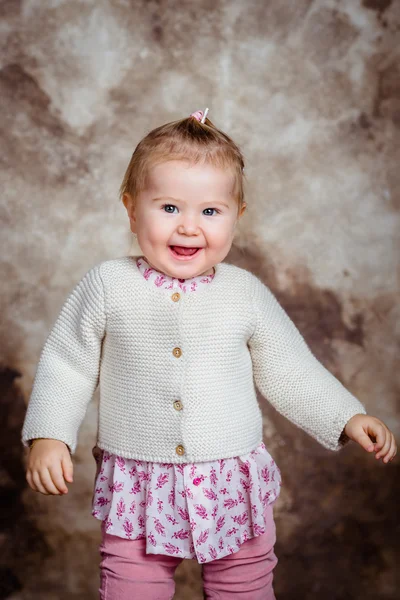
(311, 91)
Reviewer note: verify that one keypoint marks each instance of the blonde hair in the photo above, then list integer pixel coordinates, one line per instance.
(189, 140)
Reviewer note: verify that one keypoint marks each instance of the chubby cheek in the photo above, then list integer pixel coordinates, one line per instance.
(219, 241)
(153, 229)
(220, 237)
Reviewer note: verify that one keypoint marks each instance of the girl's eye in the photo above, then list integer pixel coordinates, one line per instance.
(164, 206)
(169, 206)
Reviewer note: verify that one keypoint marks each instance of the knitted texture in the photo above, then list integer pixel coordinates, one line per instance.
(68, 370)
(292, 379)
(116, 330)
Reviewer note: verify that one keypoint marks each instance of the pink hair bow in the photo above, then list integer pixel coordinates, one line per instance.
(199, 115)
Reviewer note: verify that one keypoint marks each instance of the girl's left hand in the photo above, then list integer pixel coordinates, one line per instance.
(372, 435)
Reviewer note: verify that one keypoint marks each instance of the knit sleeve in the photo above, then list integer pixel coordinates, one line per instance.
(289, 376)
(68, 369)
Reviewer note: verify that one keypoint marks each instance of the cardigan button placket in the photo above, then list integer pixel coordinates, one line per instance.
(177, 352)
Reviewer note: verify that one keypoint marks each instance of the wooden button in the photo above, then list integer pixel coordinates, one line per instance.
(175, 297)
(177, 352)
(180, 450)
(178, 405)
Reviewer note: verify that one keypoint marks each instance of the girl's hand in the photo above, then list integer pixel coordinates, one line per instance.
(364, 428)
(49, 465)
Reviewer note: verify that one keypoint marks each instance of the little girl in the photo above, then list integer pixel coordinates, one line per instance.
(178, 340)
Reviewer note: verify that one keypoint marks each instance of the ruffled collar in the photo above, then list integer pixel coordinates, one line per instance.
(164, 281)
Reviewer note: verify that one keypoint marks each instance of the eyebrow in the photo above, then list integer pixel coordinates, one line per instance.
(178, 200)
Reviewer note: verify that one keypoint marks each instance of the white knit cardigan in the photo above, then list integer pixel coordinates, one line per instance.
(146, 349)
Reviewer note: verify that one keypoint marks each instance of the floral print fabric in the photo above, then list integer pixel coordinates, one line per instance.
(203, 510)
(194, 510)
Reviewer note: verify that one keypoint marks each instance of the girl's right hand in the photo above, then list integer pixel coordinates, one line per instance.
(49, 467)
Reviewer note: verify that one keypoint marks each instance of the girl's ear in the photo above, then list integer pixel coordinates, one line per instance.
(242, 210)
(130, 209)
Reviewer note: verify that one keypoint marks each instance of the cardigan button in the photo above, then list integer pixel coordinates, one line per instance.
(176, 296)
(180, 450)
(177, 352)
(178, 405)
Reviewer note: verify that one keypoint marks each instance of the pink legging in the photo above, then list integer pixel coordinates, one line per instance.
(127, 572)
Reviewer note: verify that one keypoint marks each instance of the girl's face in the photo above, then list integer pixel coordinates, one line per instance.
(184, 205)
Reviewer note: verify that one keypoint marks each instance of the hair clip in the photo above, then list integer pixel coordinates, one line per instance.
(199, 115)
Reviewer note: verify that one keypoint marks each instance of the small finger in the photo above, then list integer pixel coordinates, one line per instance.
(380, 439)
(365, 442)
(385, 446)
(30, 481)
(392, 449)
(48, 482)
(38, 483)
(68, 470)
(58, 480)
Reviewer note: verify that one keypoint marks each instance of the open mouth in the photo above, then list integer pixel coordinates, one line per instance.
(184, 252)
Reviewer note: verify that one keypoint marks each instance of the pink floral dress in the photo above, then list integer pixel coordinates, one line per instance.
(200, 510)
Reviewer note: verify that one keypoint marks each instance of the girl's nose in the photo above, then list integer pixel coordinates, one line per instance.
(188, 226)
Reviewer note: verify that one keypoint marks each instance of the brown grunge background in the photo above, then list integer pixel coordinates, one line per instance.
(311, 92)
